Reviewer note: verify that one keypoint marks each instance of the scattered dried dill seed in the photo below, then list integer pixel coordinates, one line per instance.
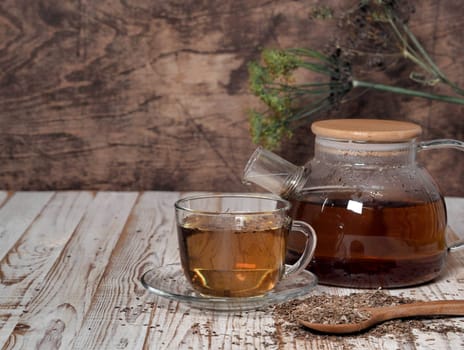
(337, 309)
(336, 313)
(327, 308)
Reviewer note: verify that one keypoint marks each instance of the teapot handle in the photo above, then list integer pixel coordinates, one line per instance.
(445, 143)
(440, 143)
(457, 244)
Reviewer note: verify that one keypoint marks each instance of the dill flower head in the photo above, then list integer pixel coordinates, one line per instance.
(268, 129)
(272, 81)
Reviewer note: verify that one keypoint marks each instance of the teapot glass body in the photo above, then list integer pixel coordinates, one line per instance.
(379, 217)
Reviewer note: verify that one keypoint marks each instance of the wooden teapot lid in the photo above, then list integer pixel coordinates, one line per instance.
(379, 130)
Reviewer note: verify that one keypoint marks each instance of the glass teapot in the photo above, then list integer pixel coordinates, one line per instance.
(379, 217)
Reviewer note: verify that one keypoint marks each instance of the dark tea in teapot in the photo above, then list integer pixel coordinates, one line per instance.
(367, 244)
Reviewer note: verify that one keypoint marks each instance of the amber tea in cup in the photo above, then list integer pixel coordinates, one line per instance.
(235, 245)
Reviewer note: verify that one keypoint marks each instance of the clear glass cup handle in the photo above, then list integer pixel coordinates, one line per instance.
(437, 144)
(305, 258)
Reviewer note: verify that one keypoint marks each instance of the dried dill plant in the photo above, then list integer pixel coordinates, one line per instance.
(379, 28)
(379, 24)
(321, 12)
(288, 102)
(366, 36)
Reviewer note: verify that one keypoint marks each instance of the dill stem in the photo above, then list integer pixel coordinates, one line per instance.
(408, 92)
(409, 52)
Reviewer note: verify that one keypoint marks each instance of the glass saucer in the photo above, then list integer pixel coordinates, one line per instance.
(170, 282)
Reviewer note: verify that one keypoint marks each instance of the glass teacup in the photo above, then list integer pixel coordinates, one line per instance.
(234, 245)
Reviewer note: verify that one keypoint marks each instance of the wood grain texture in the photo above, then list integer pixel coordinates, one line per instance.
(19, 216)
(115, 94)
(71, 281)
(24, 268)
(146, 242)
(53, 317)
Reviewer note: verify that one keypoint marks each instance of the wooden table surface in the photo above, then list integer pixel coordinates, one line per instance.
(70, 267)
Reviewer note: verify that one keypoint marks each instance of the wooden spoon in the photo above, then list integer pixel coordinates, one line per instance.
(381, 314)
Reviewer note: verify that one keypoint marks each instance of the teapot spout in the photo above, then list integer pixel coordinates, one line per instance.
(273, 173)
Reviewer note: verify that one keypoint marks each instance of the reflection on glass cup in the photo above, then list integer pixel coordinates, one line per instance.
(234, 245)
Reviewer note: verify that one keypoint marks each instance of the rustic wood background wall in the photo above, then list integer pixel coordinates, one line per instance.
(152, 94)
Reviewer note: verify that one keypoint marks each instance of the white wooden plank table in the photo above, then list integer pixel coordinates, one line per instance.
(70, 267)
